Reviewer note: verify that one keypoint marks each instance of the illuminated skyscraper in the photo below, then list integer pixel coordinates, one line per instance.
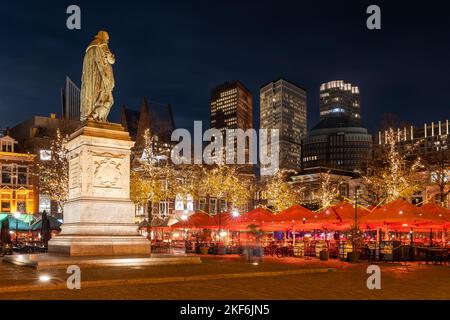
(338, 141)
(283, 106)
(231, 107)
(339, 102)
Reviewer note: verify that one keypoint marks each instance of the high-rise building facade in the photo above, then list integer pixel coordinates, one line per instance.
(70, 99)
(283, 106)
(340, 100)
(338, 141)
(231, 107)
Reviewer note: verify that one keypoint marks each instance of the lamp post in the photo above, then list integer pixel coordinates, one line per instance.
(14, 176)
(357, 188)
(185, 217)
(235, 214)
(355, 218)
(220, 225)
(17, 216)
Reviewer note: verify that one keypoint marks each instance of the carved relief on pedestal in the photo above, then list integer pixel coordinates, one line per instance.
(108, 173)
(107, 154)
(74, 173)
(87, 186)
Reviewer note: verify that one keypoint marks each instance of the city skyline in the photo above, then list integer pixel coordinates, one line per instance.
(181, 65)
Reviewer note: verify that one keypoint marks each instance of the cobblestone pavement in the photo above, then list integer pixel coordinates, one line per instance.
(15, 275)
(348, 282)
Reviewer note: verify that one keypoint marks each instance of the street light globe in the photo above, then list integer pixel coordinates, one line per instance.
(235, 213)
(44, 278)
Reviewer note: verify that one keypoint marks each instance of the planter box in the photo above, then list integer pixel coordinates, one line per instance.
(353, 257)
(221, 250)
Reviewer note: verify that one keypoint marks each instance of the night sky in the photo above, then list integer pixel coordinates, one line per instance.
(177, 51)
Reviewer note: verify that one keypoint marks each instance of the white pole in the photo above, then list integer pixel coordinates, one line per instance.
(293, 237)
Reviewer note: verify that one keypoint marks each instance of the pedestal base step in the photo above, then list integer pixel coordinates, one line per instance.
(55, 261)
(81, 246)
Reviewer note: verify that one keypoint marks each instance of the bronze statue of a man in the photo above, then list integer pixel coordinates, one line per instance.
(97, 82)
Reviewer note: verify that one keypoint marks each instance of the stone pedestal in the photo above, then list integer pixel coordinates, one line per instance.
(98, 217)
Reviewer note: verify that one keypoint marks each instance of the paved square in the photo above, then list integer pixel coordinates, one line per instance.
(348, 281)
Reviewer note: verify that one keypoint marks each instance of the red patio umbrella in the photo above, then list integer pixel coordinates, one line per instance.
(288, 218)
(258, 217)
(436, 217)
(328, 218)
(398, 213)
(335, 217)
(295, 213)
(194, 221)
(324, 219)
(219, 221)
(346, 213)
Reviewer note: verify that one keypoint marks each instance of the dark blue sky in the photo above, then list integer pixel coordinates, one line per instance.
(176, 51)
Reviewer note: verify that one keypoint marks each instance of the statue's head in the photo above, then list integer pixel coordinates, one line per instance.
(103, 36)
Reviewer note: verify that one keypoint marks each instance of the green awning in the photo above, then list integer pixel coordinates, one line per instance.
(28, 218)
(19, 224)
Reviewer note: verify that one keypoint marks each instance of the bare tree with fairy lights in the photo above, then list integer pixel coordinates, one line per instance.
(53, 172)
(393, 172)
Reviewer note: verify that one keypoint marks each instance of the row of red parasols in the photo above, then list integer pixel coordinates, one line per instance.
(398, 215)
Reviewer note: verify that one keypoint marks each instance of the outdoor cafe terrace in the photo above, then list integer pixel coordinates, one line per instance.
(396, 231)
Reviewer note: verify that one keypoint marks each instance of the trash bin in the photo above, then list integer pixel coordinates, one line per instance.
(353, 256)
(324, 255)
